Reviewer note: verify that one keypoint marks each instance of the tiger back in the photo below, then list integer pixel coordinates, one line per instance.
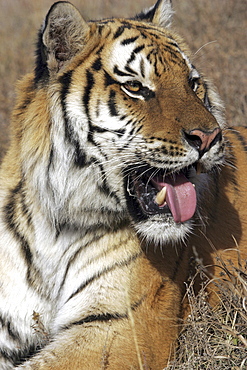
(120, 165)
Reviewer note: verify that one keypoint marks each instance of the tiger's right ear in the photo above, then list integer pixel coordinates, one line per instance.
(61, 37)
(160, 14)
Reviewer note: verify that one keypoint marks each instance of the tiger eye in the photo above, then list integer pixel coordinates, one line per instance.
(133, 86)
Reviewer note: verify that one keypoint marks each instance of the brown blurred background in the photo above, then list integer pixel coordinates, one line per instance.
(216, 31)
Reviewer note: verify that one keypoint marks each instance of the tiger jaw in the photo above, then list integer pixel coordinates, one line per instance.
(171, 196)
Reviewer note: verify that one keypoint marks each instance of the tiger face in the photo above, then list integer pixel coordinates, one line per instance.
(160, 107)
(140, 127)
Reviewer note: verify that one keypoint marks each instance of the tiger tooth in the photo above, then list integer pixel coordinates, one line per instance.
(161, 196)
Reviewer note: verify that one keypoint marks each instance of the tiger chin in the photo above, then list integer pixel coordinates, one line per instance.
(120, 166)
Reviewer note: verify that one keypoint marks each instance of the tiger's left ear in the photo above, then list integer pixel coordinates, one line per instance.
(62, 36)
(160, 14)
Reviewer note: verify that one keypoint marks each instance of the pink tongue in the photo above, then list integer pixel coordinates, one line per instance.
(180, 197)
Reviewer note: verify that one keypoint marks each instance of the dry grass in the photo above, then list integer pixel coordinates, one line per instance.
(216, 338)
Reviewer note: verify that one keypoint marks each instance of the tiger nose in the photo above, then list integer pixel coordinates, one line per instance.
(203, 140)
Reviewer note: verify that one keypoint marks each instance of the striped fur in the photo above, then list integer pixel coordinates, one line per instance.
(92, 269)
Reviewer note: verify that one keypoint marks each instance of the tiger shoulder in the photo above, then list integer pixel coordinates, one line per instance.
(120, 167)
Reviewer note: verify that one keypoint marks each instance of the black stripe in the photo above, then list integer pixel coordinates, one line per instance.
(119, 32)
(175, 46)
(120, 73)
(98, 318)
(132, 57)
(10, 356)
(87, 92)
(206, 100)
(142, 69)
(104, 272)
(138, 49)
(150, 34)
(96, 231)
(6, 324)
(101, 318)
(25, 103)
(131, 71)
(104, 188)
(16, 224)
(79, 154)
(25, 210)
(41, 71)
(98, 52)
(176, 54)
(18, 357)
(90, 137)
(138, 129)
(65, 81)
(241, 138)
(154, 35)
(120, 132)
(96, 129)
(97, 65)
(109, 80)
(157, 73)
(93, 230)
(148, 28)
(134, 52)
(100, 29)
(107, 316)
(50, 162)
(149, 55)
(10, 220)
(105, 21)
(132, 132)
(112, 104)
(12, 333)
(129, 40)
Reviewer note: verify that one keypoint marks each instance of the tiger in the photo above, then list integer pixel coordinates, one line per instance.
(120, 165)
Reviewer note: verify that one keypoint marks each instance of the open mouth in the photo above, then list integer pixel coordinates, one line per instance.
(158, 192)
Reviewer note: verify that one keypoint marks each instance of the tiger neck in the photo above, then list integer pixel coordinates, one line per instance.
(59, 260)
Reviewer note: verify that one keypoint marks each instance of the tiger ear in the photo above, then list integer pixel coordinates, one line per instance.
(160, 14)
(61, 37)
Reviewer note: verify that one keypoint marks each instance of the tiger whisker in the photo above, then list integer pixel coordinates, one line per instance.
(205, 45)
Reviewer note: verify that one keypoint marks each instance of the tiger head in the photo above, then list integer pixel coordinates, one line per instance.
(135, 130)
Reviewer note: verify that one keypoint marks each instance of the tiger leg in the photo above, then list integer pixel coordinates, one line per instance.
(108, 345)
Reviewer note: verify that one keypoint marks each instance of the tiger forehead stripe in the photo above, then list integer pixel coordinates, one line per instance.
(120, 73)
(119, 32)
(129, 40)
(160, 43)
(137, 50)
